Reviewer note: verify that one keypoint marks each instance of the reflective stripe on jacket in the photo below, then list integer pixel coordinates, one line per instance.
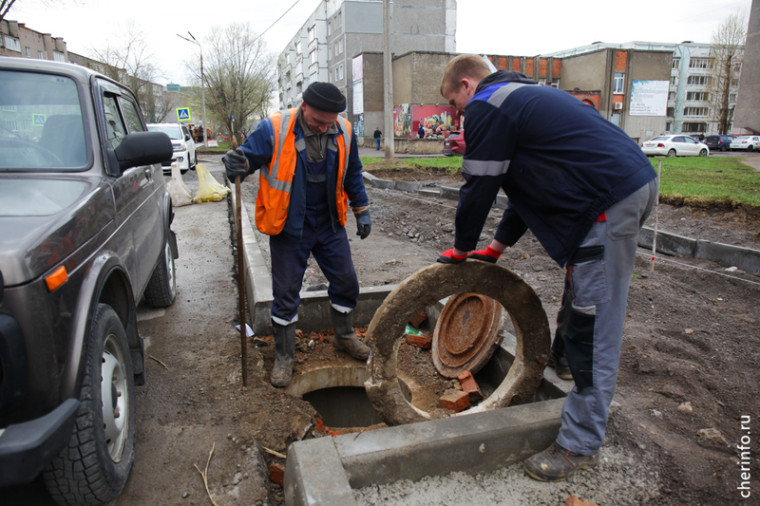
(276, 179)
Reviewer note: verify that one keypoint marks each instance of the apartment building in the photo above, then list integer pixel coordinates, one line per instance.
(325, 47)
(694, 85)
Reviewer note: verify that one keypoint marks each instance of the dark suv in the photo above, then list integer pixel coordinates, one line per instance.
(719, 142)
(84, 235)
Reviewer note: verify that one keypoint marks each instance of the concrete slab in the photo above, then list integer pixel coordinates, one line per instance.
(474, 443)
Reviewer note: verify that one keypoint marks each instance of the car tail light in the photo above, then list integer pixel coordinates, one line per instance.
(660, 145)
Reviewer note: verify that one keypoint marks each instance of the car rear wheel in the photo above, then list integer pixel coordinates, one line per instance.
(702, 152)
(95, 465)
(671, 153)
(162, 287)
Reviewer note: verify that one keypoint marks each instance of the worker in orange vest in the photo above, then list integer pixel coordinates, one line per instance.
(309, 173)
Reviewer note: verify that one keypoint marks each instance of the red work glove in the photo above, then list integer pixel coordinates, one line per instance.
(448, 257)
(486, 255)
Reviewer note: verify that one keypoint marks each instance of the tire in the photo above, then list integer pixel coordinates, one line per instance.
(703, 152)
(671, 153)
(162, 286)
(95, 465)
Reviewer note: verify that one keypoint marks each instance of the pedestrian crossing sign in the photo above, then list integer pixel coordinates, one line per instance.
(183, 114)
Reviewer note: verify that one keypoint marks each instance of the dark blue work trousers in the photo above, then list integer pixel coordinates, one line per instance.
(330, 249)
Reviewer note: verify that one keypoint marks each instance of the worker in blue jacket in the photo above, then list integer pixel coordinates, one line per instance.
(309, 171)
(584, 188)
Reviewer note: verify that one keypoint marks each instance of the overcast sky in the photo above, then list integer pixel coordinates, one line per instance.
(516, 27)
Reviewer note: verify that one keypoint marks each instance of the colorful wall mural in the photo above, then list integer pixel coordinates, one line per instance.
(437, 121)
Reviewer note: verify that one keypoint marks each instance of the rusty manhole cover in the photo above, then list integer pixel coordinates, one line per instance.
(466, 335)
(432, 284)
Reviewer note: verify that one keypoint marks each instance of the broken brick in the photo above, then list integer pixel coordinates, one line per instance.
(421, 341)
(455, 401)
(574, 500)
(470, 386)
(277, 473)
(418, 319)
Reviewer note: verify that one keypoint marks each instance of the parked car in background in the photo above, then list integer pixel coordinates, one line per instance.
(85, 218)
(674, 145)
(182, 142)
(719, 142)
(454, 144)
(746, 143)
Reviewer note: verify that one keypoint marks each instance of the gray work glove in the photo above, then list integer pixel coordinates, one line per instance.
(236, 164)
(363, 225)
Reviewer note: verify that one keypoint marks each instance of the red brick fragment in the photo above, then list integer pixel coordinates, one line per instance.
(470, 386)
(455, 400)
(421, 341)
(574, 500)
(277, 473)
(418, 319)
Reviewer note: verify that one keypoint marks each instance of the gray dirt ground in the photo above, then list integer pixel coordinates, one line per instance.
(688, 370)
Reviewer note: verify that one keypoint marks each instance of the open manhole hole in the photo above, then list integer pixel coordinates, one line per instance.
(337, 393)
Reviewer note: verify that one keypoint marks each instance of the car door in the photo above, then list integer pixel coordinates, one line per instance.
(136, 195)
(689, 147)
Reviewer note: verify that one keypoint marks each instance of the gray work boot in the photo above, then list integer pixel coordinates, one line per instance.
(345, 336)
(284, 351)
(557, 463)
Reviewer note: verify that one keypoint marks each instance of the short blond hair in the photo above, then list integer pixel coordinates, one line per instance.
(463, 65)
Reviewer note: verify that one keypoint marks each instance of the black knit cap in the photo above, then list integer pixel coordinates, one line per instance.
(325, 97)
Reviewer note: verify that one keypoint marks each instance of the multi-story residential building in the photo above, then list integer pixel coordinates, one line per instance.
(16, 39)
(338, 31)
(695, 90)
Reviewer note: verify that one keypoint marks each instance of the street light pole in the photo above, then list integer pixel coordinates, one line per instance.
(203, 85)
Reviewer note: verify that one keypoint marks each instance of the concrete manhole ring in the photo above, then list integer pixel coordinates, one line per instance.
(426, 287)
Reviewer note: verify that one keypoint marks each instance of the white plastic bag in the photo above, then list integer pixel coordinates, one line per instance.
(178, 190)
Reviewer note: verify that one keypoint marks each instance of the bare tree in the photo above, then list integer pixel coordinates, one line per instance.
(240, 76)
(130, 63)
(728, 47)
(5, 6)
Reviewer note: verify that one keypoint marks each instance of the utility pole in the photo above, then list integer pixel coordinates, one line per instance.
(203, 85)
(390, 148)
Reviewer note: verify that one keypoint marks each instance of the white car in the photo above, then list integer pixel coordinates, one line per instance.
(674, 145)
(182, 142)
(746, 143)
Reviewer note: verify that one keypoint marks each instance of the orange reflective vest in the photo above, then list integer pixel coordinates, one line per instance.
(276, 179)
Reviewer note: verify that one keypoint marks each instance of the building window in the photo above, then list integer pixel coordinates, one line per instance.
(695, 111)
(668, 127)
(737, 68)
(698, 80)
(699, 63)
(732, 97)
(697, 95)
(329, 28)
(313, 57)
(312, 33)
(674, 80)
(339, 72)
(617, 85)
(40, 55)
(12, 43)
(675, 63)
(59, 56)
(28, 52)
(298, 48)
(340, 46)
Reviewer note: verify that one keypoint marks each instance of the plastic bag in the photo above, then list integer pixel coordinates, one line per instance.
(178, 190)
(208, 189)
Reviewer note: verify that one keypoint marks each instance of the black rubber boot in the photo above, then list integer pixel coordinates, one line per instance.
(284, 351)
(345, 336)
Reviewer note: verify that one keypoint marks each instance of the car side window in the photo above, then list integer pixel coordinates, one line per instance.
(131, 116)
(115, 130)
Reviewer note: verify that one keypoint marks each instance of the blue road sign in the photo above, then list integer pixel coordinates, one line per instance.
(183, 114)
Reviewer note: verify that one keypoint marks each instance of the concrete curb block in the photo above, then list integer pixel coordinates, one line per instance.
(478, 442)
(746, 259)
